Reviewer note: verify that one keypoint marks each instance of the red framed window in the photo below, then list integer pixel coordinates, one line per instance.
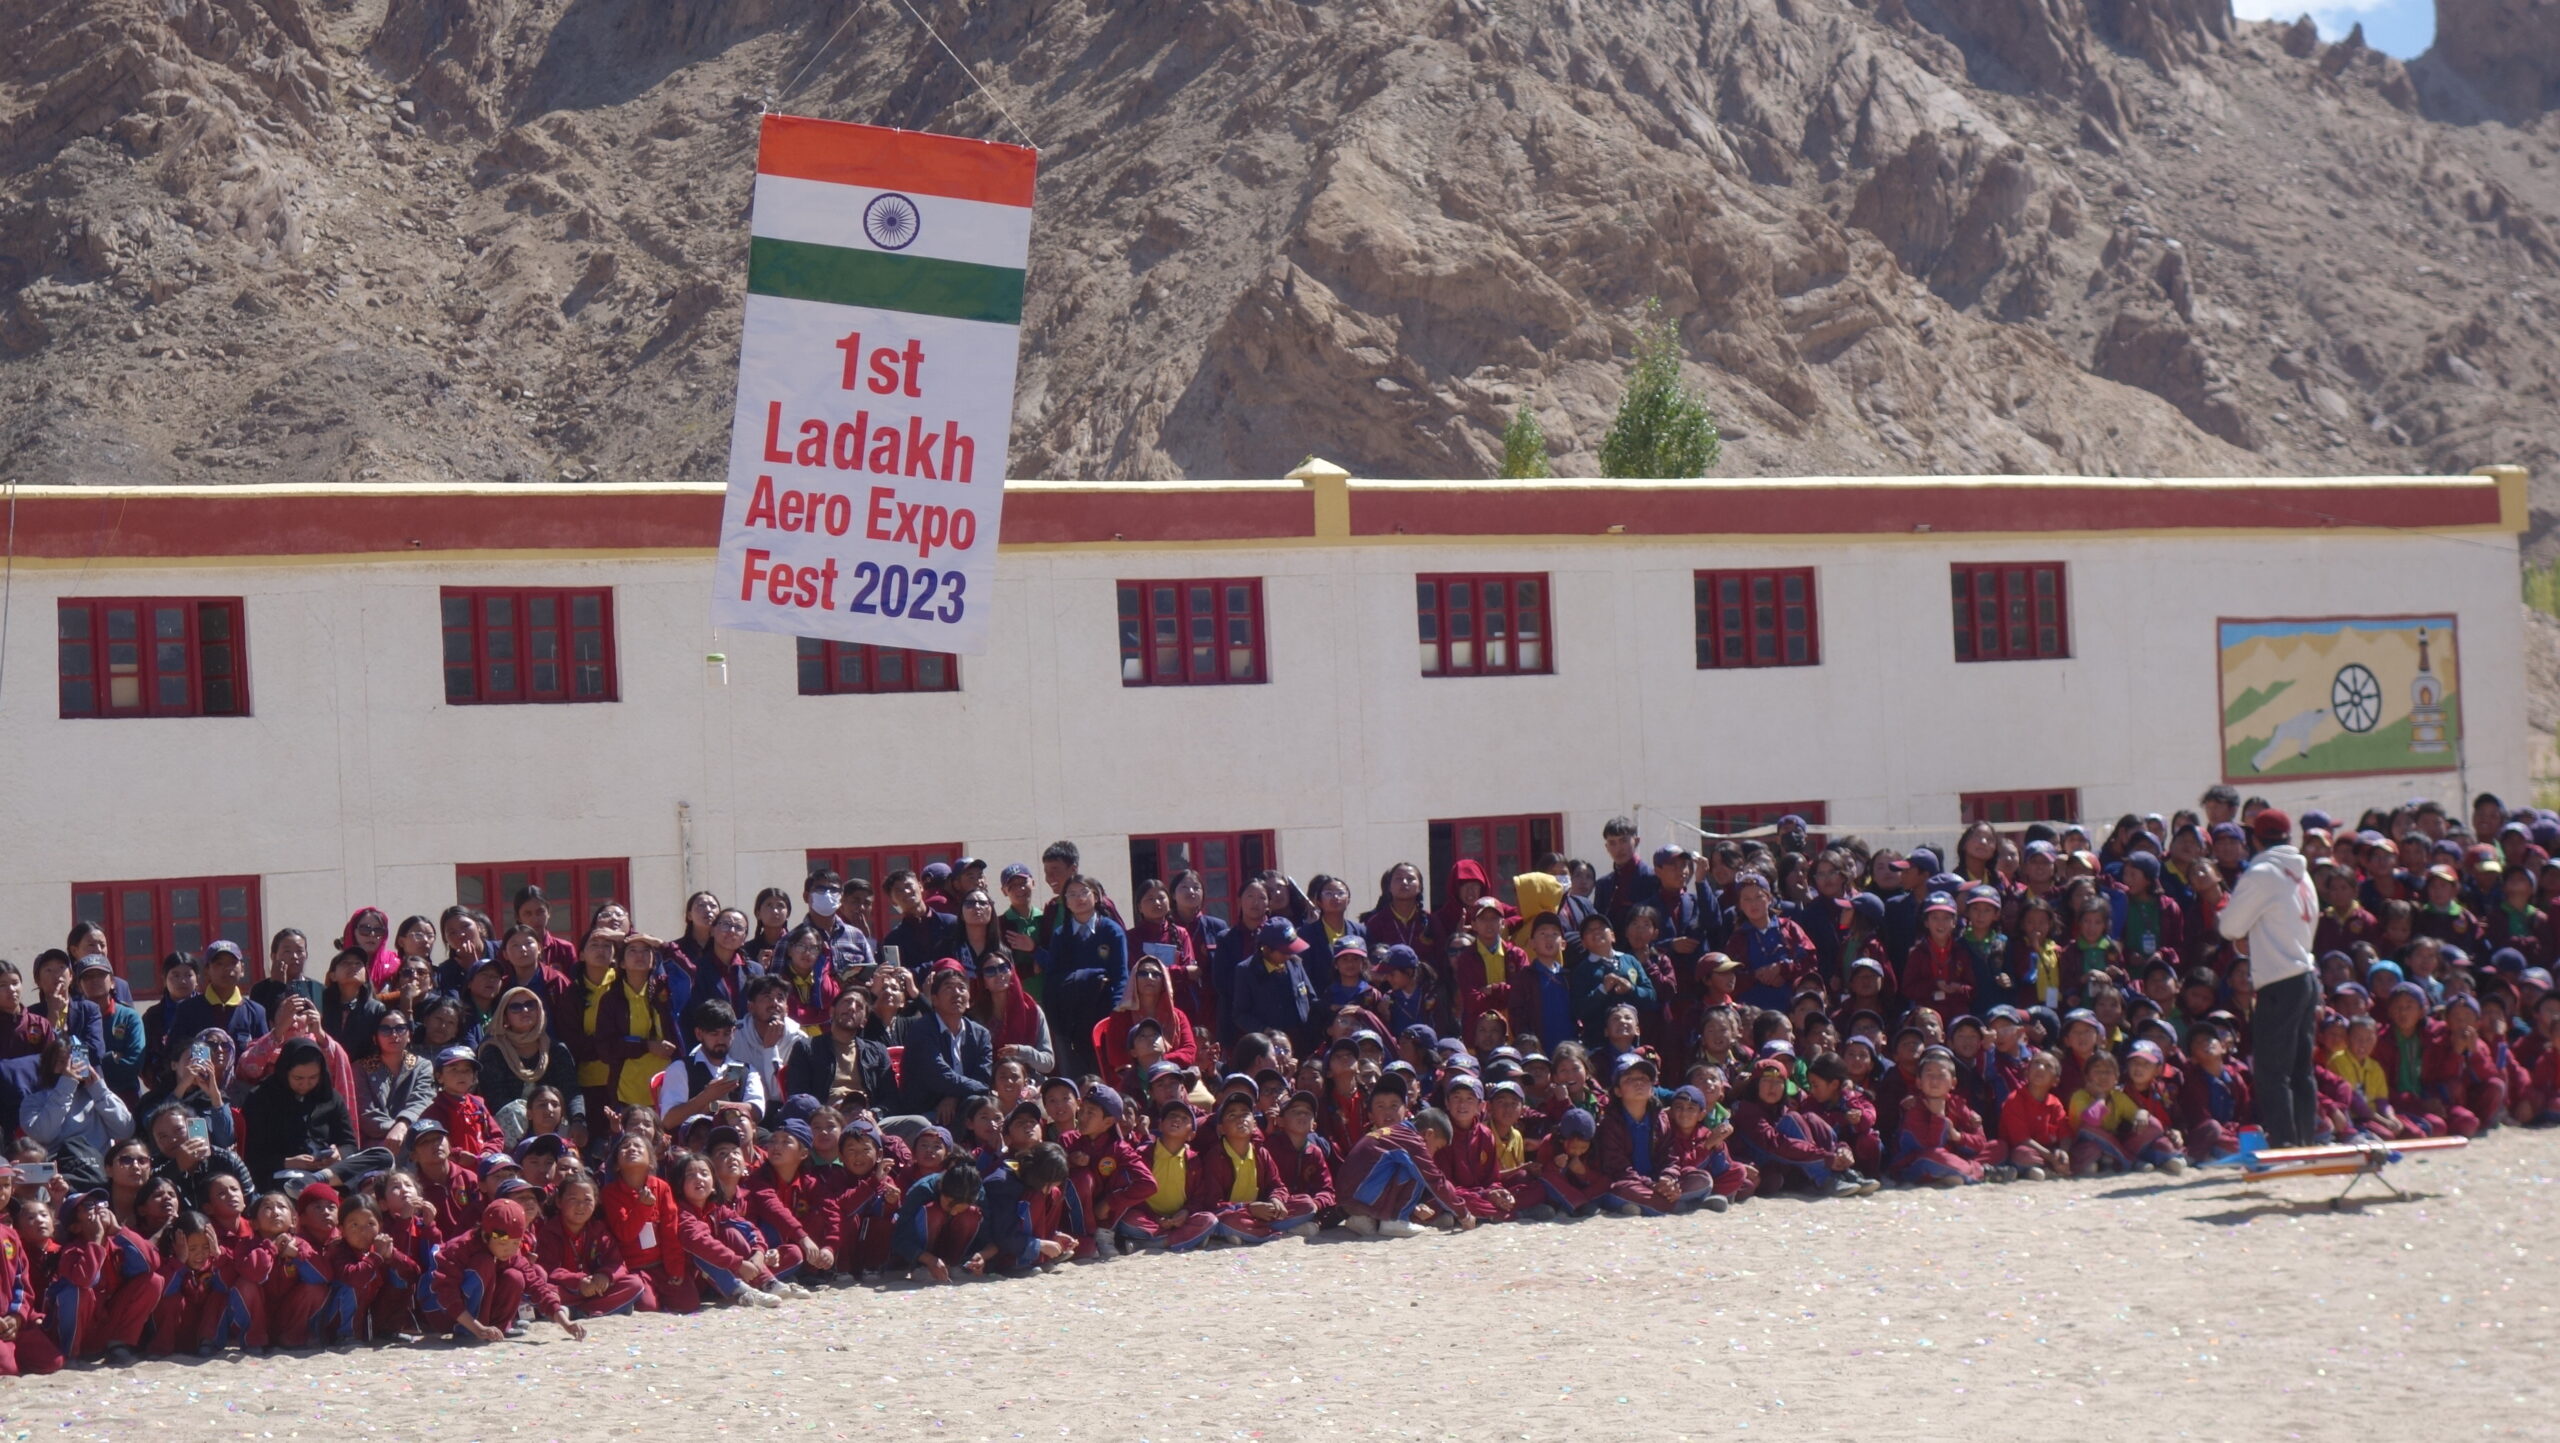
(575, 889)
(2011, 612)
(503, 645)
(153, 656)
(1757, 618)
(147, 921)
(1192, 633)
(872, 864)
(1504, 846)
(1732, 818)
(2058, 805)
(1224, 860)
(1483, 625)
(849, 668)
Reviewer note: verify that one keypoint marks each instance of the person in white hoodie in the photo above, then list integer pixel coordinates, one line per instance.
(2272, 912)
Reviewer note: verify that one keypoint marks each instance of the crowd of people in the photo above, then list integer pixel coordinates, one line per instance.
(459, 1123)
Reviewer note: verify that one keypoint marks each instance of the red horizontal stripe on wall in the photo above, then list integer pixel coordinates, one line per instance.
(1170, 513)
(114, 526)
(1784, 509)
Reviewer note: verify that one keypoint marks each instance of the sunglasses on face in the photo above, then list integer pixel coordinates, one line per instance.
(523, 1006)
(398, 1029)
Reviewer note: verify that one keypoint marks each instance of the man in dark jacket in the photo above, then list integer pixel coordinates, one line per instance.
(840, 1066)
(947, 1057)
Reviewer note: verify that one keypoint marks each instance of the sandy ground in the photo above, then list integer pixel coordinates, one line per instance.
(2136, 1306)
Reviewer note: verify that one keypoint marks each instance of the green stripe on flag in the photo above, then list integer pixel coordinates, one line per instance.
(962, 290)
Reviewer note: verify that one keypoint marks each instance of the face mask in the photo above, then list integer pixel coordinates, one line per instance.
(824, 901)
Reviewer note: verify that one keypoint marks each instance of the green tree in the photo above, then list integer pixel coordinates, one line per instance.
(1663, 430)
(1524, 448)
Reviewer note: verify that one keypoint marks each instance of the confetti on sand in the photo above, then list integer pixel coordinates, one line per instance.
(2193, 1308)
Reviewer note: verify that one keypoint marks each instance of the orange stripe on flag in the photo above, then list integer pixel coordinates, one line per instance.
(879, 158)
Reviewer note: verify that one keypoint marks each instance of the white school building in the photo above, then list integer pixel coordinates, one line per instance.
(233, 709)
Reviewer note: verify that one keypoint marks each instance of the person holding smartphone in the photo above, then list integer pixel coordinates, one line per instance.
(707, 1079)
(71, 1111)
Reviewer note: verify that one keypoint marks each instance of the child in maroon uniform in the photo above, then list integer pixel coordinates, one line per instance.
(1941, 1140)
(1938, 973)
(482, 1277)
(458, 1107)
(1694, 1169)
(2034, 1126)
(578, 1253)
(706, 1258)
(1793, 1150)
(105, 1283)
(307, 1276)
(2459, 1073)
(25, 1347)
(787, 1202)
(1574, 1183)
(1622, 1147)
(449, 1189)
(1471, 1160)
(1237, 1179)
(1298, 1159)
(1108, 1171)
(866, 1200)
(1832, 1095)
(367, 1268)
(1390, 1186)
(2214, 1101)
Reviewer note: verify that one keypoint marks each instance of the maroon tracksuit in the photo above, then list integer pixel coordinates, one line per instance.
(568, 1259)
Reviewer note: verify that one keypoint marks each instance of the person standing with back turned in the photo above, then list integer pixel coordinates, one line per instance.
(2275, 908)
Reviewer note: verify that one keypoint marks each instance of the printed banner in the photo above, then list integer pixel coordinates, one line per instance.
(875, 385)
(2338, 696)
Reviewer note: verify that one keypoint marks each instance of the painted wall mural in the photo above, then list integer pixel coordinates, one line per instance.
(2338, 696)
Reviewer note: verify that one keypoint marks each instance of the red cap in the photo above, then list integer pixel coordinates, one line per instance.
(502, 1219)
(2272, 825)
(317, 1192)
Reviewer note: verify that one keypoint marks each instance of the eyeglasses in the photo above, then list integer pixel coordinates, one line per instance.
(369, 931)
(130, 1160)
(524, 1007)
(398, 1029)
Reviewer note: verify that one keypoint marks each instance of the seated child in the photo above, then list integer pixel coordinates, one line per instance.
(2034, 1125)
(1941, 1140)
(2114, 1133)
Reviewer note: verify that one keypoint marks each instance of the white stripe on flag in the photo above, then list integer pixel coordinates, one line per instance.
(823, 213)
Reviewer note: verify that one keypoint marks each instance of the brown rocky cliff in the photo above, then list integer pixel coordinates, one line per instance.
(328, 239)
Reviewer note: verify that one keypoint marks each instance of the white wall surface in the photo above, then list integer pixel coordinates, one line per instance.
(355, 783)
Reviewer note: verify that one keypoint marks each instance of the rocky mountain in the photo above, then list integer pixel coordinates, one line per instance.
(248, 240)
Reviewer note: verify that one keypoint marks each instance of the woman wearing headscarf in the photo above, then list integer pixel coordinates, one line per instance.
(299, 1018)
(1006, 1009)
(369, 931)
(803, 961)
(297, 1121)
(521, 1055)
(1150, 997)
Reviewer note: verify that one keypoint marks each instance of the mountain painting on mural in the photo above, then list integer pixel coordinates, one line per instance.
(875, 385)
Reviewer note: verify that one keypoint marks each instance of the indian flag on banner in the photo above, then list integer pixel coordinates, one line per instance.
(875, 385)
(898, 219)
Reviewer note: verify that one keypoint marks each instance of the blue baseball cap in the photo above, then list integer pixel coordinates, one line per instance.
(1276, 935)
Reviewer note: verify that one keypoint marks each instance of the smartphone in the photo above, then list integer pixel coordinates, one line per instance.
(34, 1174)
(735, 1072)
(889, 954)
(200, 1129)
(200, 1055)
